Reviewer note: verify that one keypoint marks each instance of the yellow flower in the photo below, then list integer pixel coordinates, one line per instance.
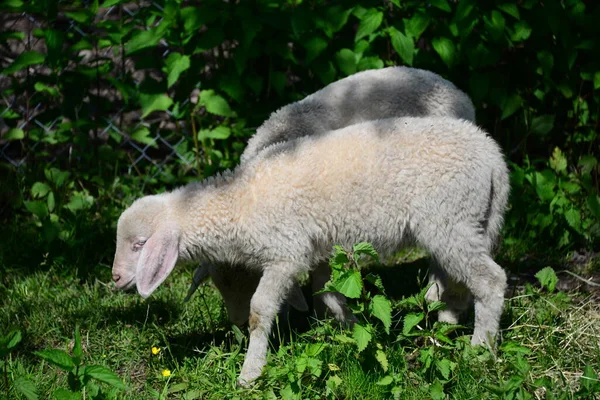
(166, 372)
(333, 367)
(155, 350)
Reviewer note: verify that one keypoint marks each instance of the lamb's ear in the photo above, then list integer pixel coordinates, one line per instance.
(200, 274)
(296, 298)
(159, 256)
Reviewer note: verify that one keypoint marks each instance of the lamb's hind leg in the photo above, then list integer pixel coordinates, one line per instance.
(461, 252)
(456, 296)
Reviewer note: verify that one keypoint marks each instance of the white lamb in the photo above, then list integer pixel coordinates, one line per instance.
(369, 95)
(439, 182)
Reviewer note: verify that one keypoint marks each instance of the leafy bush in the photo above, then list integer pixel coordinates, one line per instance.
(188, 82)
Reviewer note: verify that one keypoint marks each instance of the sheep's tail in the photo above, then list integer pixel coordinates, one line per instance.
(498, 201)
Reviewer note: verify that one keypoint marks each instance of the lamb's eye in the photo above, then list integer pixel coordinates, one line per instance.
(138, 245)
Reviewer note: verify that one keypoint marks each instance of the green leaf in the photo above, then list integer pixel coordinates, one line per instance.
(364, 248)
(176, 64)
(215, 104)
(437, 390)
(366, 63)
(64, 394)
(141, 134)
(381, 308)
(573, 217)
(42, 87)
(346, 61)
(382, 358)
(14, 134)
(12, 339)
(441, 4)
(445, 366)
(558, 161)
(39, 190)
(24, 60)
(546, 60)
(589, 379)
(154, 102)
(278, 82)
(495, 24)
(77, 350)
(37, 208)
(545, 182)
(144, 39)
(587, 163)
(521, 31)
(446, 50)
(362, 336)
(510, 105)
(25, 387)
(314, 47)
(547, 278)
(57, 176)
(79, 201)
(221, 132)
(514, 347)
(510, 9)
(542, 124)
(105, 375)
(50, 202)
(597, 80)
(410, 321)
(370, 21)
(404, 45)
(386, 380)
(325, 71)
(57, 357)
(416, 25)
(349, 284)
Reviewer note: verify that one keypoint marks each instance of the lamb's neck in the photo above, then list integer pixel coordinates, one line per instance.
(209, 224)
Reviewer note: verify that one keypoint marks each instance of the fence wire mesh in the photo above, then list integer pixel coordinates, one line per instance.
(37, 126)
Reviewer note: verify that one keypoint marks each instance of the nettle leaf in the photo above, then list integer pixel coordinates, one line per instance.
(495, 24)
(362, 336)
(386, 380)
(215, 104)
(441, 4)
(144, 39)
(42, 87)
(381, 308)
(314, 47)
(545, 183)
(445, 366)
(77, 349)
(383, 360)
(417, 24)
(558, 161)
(410, 321)
(404, 45)
(141, 134)
(12, 339)
(510, 9)
(547, 278)
(370, 21)
(521, 31)
(57, 176)
(57, 357)
(510, 105)
(370, 63)
(573, 217)
(25, 387)
(176, 64)
(39, 189)
(65, 394)
(364, 248)
(221, 132)
(37, 208)
(24, 60)
(80, 201)
(446, 50)
(14, 134)
(105, 375)
(346, 61)
(349, 284)
(542, 124)
(154, 102)
(514, 347)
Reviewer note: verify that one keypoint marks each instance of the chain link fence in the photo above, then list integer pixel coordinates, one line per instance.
(34, 124)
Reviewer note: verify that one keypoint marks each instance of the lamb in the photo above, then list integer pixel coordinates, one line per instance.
(441, 183)
(368, 95)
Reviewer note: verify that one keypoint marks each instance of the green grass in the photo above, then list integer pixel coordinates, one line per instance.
(548, 340)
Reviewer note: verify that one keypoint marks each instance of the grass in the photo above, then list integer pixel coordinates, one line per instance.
(548, 340)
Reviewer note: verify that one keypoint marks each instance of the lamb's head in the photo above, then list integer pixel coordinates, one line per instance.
(147, 245)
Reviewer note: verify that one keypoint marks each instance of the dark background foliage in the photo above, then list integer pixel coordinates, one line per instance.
(104, 101)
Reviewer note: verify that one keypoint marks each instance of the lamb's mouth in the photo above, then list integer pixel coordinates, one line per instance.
(126, 286)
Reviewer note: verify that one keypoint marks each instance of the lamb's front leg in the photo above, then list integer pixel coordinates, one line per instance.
(272, 290)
